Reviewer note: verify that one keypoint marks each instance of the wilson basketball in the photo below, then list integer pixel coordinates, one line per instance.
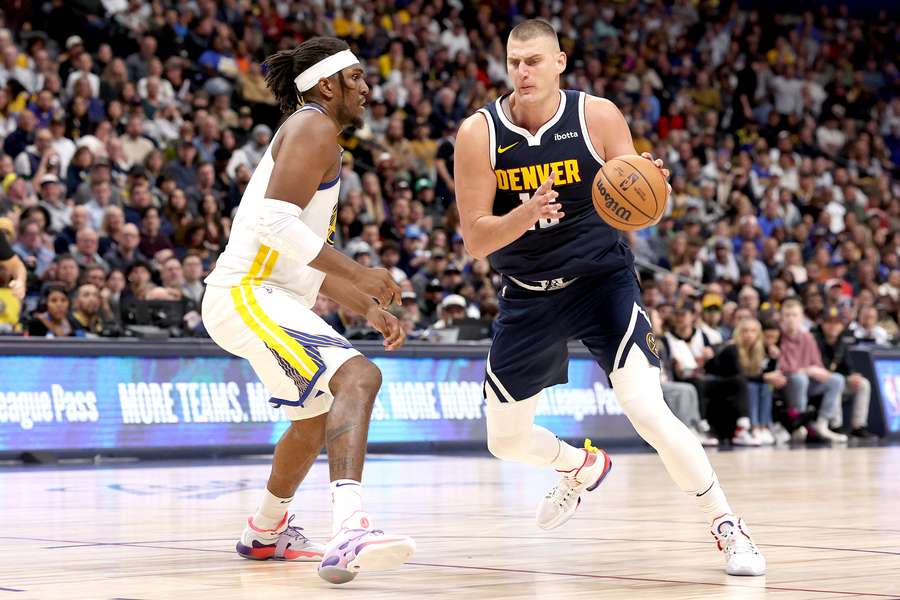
(630, 192)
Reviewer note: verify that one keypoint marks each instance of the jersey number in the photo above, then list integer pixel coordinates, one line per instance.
(542, 223)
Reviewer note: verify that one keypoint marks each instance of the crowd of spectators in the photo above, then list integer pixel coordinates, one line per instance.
(129, 130)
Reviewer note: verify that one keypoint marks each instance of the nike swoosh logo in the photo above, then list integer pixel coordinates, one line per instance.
(343, 484)
(504, 149)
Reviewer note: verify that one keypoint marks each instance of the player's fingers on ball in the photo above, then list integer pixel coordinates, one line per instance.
(647, 155)
(658, 162)
(666, 173)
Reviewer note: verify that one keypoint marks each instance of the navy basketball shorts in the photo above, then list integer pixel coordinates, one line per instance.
(529, 351)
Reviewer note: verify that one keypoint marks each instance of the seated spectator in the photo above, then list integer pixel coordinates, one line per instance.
(192, 270)
(834, 346)
(126, 251)
(87, 311)
(711, 318)
(152, 237)
(801, 363)
(867, 330)
(681, 397)
(86, 250)
(53, 318)
(36, 256)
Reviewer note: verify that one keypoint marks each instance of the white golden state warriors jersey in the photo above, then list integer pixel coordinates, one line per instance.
(246, 260)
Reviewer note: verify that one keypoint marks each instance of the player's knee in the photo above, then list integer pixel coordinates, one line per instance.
(508, 447)
(639, 393)
(359, 376)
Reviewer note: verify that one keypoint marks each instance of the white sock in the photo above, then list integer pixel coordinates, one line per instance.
(712, 500)
(271, 511)
(346, 499)
(569, 457)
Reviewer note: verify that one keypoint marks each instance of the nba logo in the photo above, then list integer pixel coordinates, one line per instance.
(629, 181)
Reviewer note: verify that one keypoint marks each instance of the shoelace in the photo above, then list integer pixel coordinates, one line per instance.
(737, 543)
(294, 532)
(562, 491)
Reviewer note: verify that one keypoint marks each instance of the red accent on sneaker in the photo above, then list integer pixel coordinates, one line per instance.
(277, 528)
(589, 459)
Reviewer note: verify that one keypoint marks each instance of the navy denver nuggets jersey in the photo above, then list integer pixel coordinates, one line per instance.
(581, 243)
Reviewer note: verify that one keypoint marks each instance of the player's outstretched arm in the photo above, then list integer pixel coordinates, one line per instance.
(305, 153)
(482, 231)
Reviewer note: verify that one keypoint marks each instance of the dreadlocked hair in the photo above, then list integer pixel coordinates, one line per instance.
(284, 66)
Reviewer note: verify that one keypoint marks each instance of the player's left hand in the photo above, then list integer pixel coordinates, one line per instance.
(659, 163)
(387, 325)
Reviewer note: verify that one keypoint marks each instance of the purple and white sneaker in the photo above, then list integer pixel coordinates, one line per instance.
(357, 547)
(284, 542)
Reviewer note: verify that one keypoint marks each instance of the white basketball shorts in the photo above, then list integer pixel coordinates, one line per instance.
(292, 350)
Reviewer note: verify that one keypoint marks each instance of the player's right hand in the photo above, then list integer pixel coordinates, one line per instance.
(377, 283)
(543, 204)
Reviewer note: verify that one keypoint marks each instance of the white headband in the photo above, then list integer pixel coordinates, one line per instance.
(324, 68)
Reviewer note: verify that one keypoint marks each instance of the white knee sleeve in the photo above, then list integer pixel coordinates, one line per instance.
(512, 434)
(639, 393)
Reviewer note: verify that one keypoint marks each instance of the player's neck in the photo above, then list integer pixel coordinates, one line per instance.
(532, 116)
(328, 112)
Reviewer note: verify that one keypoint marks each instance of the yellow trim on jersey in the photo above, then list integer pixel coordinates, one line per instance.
(264, 327)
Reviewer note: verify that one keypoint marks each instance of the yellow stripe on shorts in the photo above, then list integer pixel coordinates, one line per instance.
(263, 326)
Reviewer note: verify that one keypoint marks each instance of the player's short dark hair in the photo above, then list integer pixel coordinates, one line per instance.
(532, 28)
(284, 66)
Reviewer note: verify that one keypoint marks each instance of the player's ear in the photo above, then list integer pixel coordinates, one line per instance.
(561, 61)
(327, 87)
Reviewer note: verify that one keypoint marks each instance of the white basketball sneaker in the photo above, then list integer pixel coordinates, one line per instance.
(742, 557)
(359, 547)
(563, 499)
(285, 542)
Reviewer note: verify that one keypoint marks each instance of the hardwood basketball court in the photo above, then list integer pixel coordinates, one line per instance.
(828, 521)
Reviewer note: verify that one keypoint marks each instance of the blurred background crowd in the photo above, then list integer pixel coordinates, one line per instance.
(129, 130)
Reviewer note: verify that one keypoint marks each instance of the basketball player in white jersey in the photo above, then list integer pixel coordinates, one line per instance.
(258, 306)
(567, 276)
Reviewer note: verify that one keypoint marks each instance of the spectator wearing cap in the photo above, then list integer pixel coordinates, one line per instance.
(433, 268)
(452, 308)
(251, 152)
(711, 318)
(243, 130)
(52, 199)
(834, 345)
(801, 363)
(412, 253)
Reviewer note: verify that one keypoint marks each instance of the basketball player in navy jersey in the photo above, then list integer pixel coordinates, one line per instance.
(524, 166)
